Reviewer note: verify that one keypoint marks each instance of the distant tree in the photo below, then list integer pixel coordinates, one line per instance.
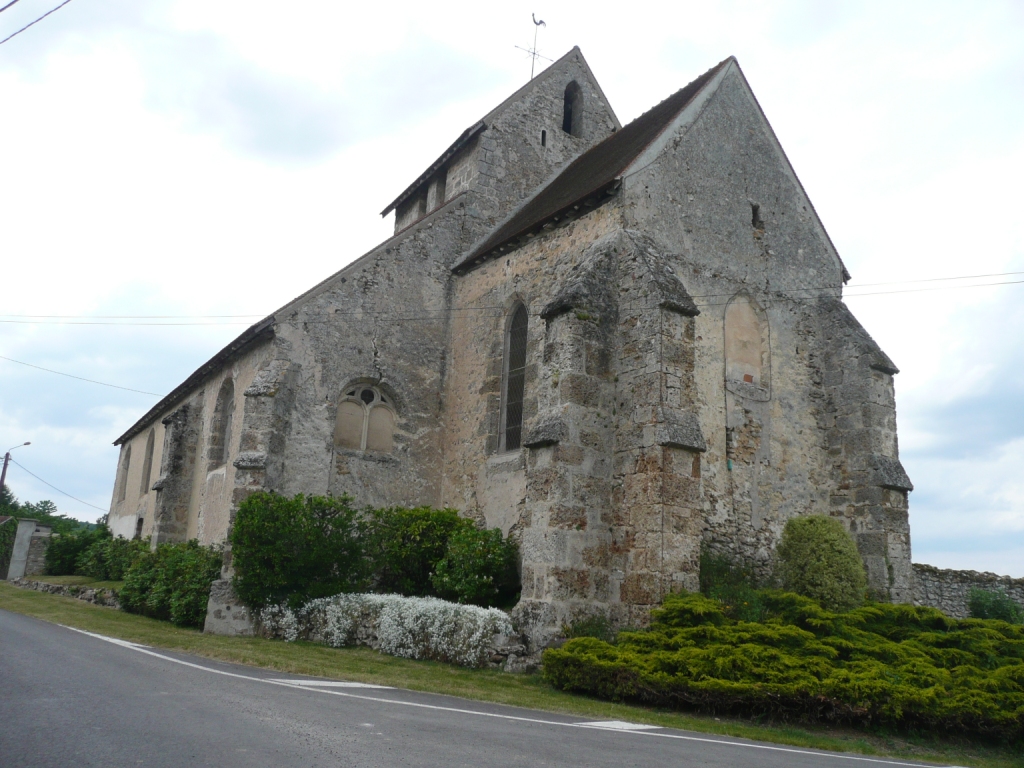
(45, 513)
(8, 502)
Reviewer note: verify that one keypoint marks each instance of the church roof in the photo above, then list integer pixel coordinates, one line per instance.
(595, 171)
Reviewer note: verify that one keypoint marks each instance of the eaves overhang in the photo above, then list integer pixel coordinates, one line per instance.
(467, 136)
(261, 331)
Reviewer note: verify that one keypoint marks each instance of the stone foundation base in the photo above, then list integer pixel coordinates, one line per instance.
(224, 614)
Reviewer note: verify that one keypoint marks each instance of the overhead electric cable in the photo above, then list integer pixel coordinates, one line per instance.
(52, 10)
(58, 490)
(8, 6)
(80, 378)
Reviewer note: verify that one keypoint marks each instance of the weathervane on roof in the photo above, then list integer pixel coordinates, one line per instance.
(533, 51)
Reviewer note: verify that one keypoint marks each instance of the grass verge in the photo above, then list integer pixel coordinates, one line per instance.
(368, 666)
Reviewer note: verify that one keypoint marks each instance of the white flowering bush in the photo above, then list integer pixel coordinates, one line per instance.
(411, 627)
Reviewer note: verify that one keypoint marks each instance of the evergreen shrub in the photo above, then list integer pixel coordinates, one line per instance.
(479, 567)
(403, 546)
(818, 559)
(994, 604)
(292, 550)
(879, 664)
(172, 583)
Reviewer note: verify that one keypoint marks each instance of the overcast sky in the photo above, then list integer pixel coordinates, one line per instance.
(199, 160)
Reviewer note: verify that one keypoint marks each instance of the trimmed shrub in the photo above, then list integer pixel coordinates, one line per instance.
(403, 546)
(880, 664)
(994, 604)
(411, 627)
(295, 550)
(172, 583)
(818, 559)
(590, 626)
(479, 567)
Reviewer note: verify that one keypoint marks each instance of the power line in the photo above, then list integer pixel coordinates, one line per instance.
(52, 10)
(8, 6)
(58, 490)
(80, 378)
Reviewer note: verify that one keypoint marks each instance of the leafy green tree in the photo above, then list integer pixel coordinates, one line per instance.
(8, 502)
(818, 559)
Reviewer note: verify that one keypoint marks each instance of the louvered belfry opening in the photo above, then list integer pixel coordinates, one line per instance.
(515, 379)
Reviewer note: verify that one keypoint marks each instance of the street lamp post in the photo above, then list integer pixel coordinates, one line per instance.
(7, 460)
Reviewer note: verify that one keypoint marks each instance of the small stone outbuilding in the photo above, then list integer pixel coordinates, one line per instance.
(615, 343)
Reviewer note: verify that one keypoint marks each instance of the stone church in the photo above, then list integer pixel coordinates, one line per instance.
(614, 343)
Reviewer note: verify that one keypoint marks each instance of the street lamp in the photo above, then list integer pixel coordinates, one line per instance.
(7, 460)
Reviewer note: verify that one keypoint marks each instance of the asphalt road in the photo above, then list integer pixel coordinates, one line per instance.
(71, 699)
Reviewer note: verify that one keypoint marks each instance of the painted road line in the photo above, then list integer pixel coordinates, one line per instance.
(331, 684)
(514, 718)
(619, 725)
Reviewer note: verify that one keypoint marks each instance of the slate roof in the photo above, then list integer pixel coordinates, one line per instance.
(596, 170)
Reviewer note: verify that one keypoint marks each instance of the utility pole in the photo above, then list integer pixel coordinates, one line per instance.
(7, 460)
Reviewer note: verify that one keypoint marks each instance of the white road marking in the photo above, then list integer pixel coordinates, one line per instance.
(594, 726)
(619, 725)
(331, 684)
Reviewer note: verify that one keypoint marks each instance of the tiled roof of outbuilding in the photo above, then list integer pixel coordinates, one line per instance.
(592, 172)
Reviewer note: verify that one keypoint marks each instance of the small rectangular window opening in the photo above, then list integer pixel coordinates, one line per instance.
(543, 138)
(755, 216)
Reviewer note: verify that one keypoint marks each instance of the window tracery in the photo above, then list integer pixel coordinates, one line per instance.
(365, 421)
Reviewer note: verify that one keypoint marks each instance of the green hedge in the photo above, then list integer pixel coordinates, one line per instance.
(172, 583)
(293, 550)
(893, 665)
(64, 551)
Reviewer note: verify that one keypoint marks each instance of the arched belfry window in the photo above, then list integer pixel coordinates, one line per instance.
(514, 380)
(365, 421)
(220, 432)
(572, 110)
(147, 463)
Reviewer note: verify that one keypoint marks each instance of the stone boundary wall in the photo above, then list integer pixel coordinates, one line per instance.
(107, 597)
(36, 564)
(948, 590)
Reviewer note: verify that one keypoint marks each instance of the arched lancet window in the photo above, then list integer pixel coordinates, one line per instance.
(122, 491)
(514, 380)
(366, 420)
(147, 463)
(572, 110)
(220, 429)
(746, 343)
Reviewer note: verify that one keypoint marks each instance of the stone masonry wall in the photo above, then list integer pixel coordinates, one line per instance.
(36, 563)
(948, 590)
(816, 435)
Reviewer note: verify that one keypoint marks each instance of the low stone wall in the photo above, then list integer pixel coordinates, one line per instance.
(948, 590)
(107, 597)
